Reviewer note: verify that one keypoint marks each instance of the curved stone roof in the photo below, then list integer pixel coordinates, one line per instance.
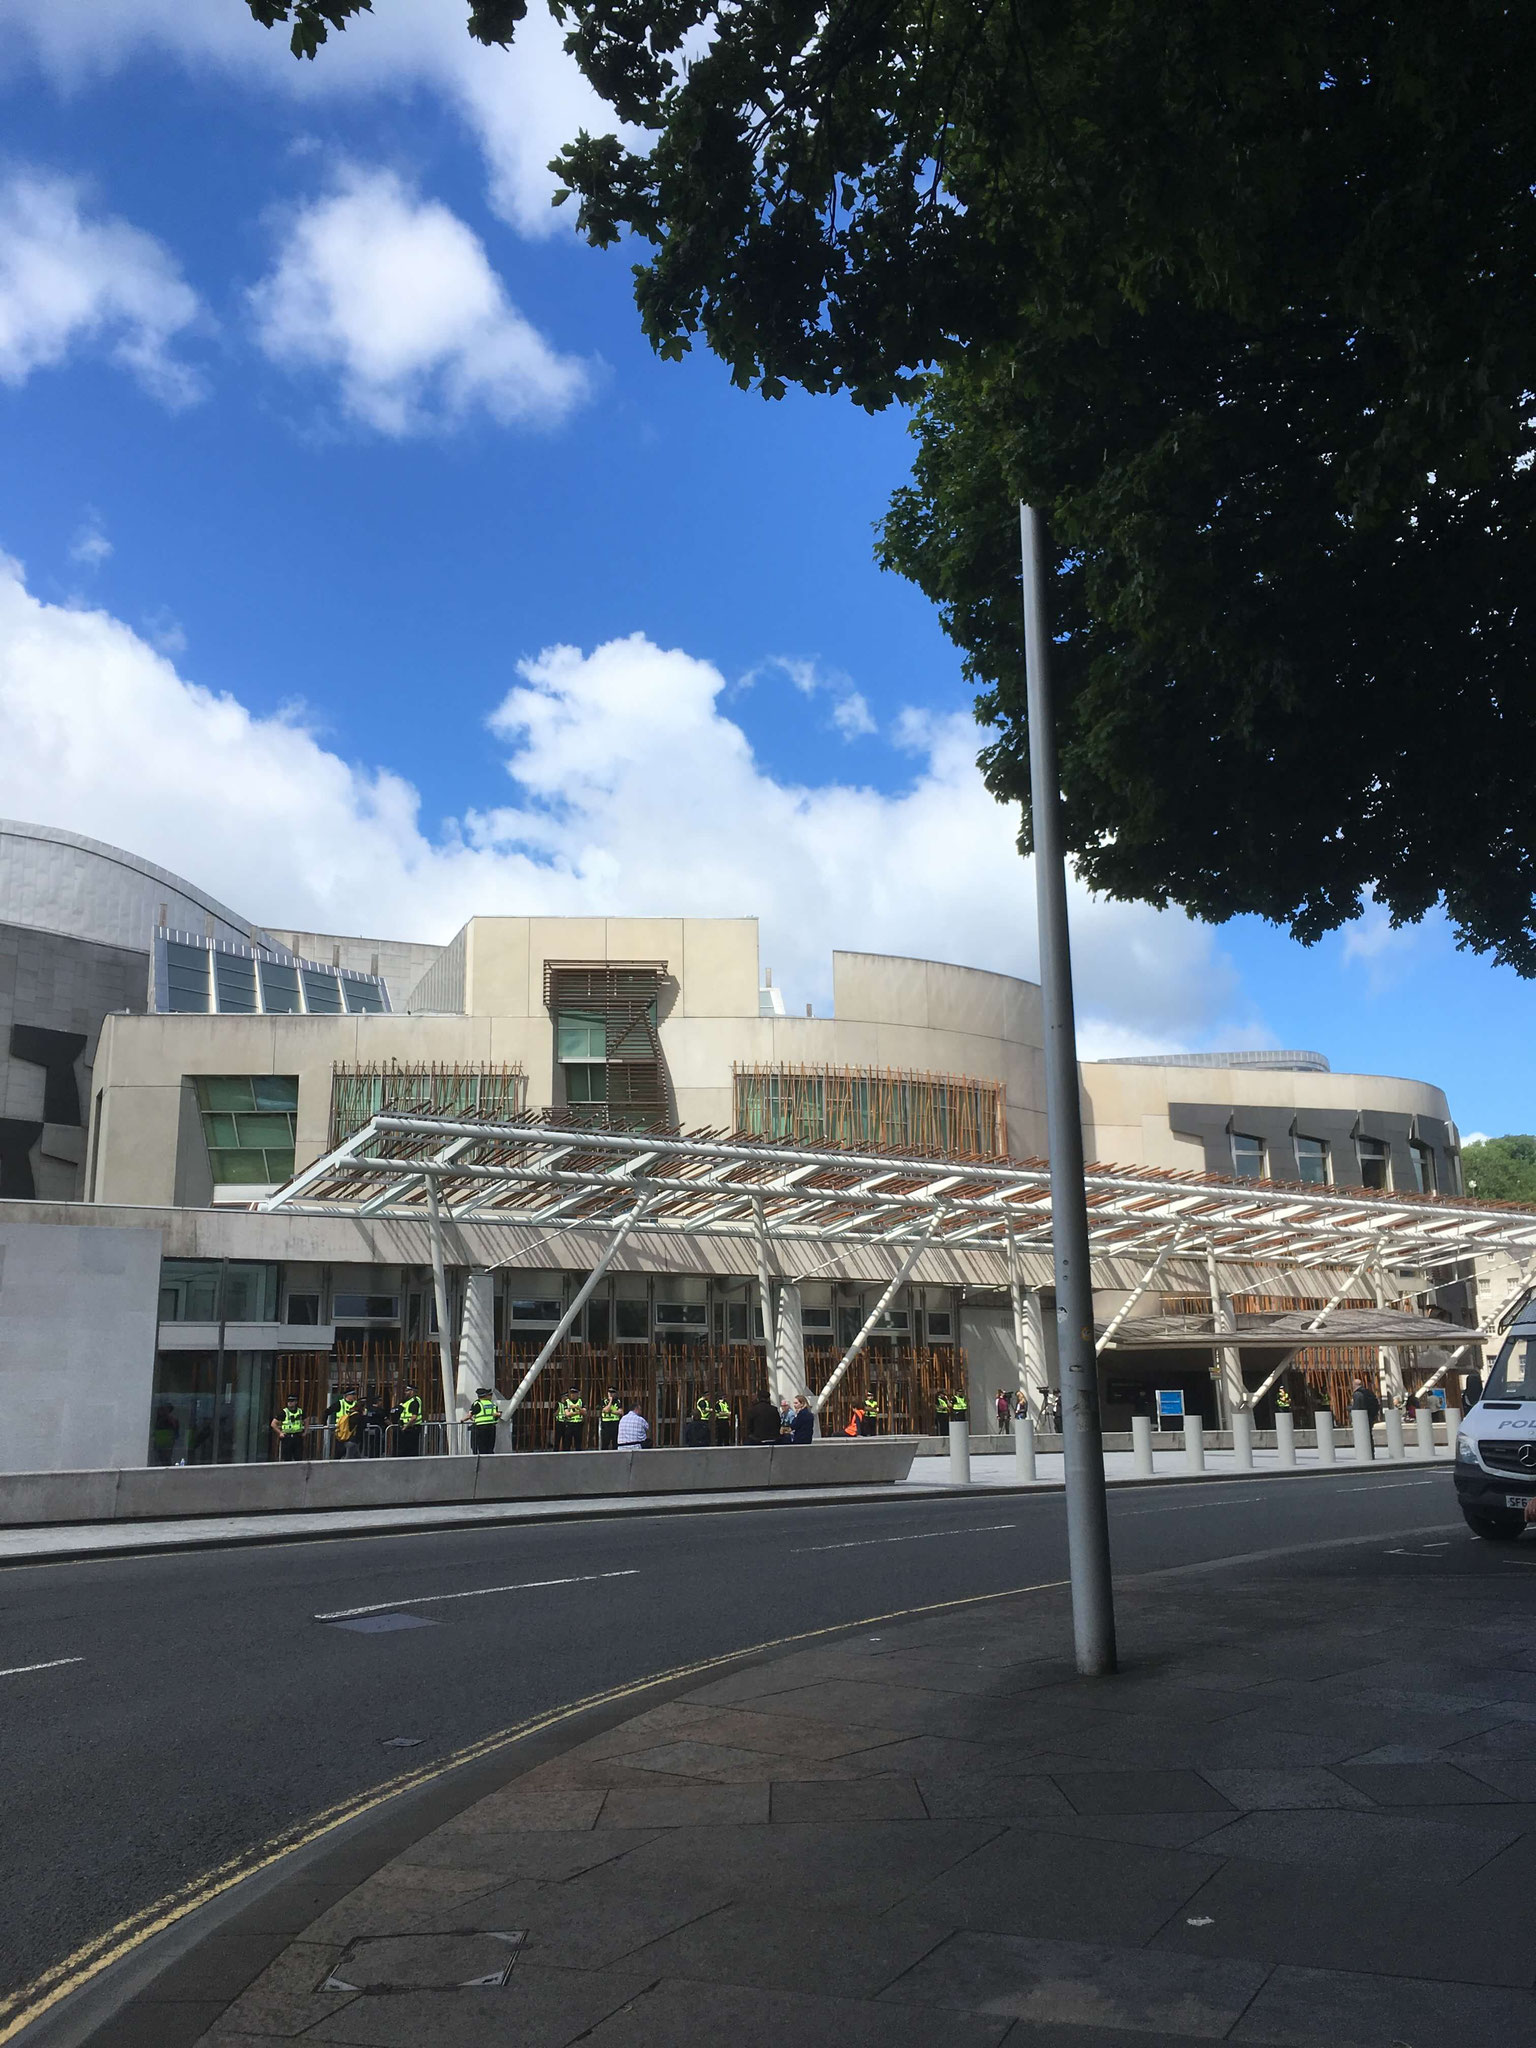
(58, 881)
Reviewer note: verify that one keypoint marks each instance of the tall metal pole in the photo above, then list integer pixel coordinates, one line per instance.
(1093, 1605)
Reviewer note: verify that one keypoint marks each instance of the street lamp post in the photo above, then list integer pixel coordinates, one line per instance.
(1093, 1605)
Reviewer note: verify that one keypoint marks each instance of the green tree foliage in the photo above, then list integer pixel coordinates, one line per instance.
(1500, 1169)
(1243, 294)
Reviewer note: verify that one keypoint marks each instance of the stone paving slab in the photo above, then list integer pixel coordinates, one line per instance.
(1305, 1816)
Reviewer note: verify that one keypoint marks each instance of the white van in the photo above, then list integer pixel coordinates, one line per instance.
(1496, 1448)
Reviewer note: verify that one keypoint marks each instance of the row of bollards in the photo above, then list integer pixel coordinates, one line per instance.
(1144, 1467)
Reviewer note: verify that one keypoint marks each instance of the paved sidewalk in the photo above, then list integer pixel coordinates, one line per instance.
(994, 1469)
(1305, 1814)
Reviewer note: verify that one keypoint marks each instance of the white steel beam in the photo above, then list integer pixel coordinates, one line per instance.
(610, 1252)
(876, 1313)
(444, 1327)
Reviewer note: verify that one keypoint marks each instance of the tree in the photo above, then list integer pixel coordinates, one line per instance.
(1242, 293)
(1500, 1169)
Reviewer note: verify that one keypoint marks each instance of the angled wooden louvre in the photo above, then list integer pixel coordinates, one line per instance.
(625, 994)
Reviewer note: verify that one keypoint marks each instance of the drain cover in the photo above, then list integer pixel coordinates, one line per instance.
(425, 1962)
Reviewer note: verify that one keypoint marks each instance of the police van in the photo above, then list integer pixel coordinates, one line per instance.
(1496, 1447)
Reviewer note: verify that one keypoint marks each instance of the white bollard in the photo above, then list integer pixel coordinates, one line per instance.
(1285, 1437)
(1322, 1422)
(1141, 1447)
(959, 1451)
(1242, 1438)
(1424, 1423)
(1194, 1443)
(1360, 1425)
(1395, 1434)
(1024, 1449)
(1452, 1426)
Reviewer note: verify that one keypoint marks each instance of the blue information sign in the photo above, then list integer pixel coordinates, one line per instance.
(1170, 1404)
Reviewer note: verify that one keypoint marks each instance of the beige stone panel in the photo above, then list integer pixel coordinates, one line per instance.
(940, 1052)
(967, 999)
(705, 1109)
(700, 1051)
(1122, 1094)
(557, 938)
(1024, 1015)
(823, 1042)
(646, 938)
(526, 1042)
(136, 1159)
(496, 981)
(720, 967)
(1026, 1133)
(880, 988)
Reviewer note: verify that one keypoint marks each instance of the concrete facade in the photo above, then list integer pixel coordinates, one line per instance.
(78, 1319)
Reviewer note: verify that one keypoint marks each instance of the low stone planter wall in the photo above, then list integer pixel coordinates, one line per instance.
(31, 1499)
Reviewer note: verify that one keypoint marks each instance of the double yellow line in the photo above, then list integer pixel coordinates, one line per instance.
(22, 2008)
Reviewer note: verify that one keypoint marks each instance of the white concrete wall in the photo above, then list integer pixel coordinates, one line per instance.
(77, 1345)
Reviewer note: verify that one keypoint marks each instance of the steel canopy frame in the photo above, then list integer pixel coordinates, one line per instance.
(710, 1186)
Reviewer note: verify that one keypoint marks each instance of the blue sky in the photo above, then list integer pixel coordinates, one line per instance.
(323, 438)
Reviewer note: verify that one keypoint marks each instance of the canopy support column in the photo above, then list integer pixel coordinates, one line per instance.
(1230, 1380)
(444, 1326)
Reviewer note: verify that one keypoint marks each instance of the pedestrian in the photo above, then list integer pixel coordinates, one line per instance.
(345, 1418)
(1472, 1389)
(697, 1434)
(1364, 1401)
(856, 1421)
(1053, 1411)
(634, 1430)
(871, 1413)
(162, 1437)
(609, 1418)
(784, 1413)
(1283, 1400)
(1002, 1411)
(570, 1422)
(375, 1422)
(288, 1428)
(1021, 1406)
(408, 1424)
(802, 1421)
(483, 1418)
(763, 1420)
(959, 1409)
(941, 1413)
(725, 1423)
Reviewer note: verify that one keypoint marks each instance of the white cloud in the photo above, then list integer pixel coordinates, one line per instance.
(634, 794)
(69, 279)
(90, 546)
(396, 297)
(1474, 1137)
(851, 715)
(520, 105)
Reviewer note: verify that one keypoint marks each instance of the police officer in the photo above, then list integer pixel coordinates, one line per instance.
(1283, 1399)
(724, 1430)
(570, 1420)
(608, 1420)
(871, 1413)
(959, 1408)
(483, 1418)
(408, 1421)
(941, 1413)
(289, 1431)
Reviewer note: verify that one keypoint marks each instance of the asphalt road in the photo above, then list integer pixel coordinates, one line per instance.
(207, 1704)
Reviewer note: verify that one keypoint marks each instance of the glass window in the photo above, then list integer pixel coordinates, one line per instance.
(586, 1084)
(816, 1319)
(186, 977)
(941, 1324)
(363, 997)
(275, 1091)
(1375, 1163)
(248, 1125)
(680, 1315)
(303, 1308)
(1423, 1167)
(631, 1321)
(279, 989)
(547, 1312)
(234, 983)
(1247, 1156)
(580, 1037)
(189, 1290)
(366, 1308)
(1514, 1376)
(322, 992)
(1312, 1156)
(233, 1167)
(598, 1320)
(250, 1293)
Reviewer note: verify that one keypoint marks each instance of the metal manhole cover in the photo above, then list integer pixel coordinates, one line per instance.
(425, 1962)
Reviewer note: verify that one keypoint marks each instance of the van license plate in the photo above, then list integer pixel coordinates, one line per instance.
(1516, 1500)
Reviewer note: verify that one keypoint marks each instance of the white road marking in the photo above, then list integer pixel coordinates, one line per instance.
(20, 1670)
(866, 1542)
(472, 1593)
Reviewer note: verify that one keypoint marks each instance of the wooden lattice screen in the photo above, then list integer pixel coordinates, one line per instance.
(625, 994)
(951, 1116)
(494, 1094)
